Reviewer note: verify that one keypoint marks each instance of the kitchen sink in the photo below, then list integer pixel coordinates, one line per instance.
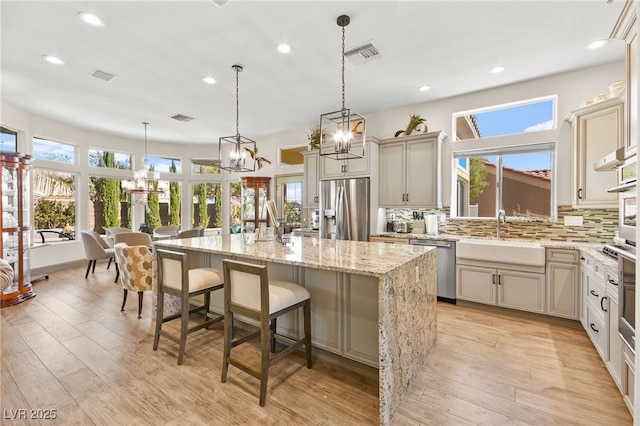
(502, 251)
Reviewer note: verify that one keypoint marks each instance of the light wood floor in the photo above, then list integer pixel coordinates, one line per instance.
(71, 349)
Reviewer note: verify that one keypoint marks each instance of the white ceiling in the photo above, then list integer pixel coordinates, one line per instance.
(160, 50)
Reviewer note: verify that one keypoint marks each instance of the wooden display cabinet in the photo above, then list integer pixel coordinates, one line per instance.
(16, 232)
(255, 193)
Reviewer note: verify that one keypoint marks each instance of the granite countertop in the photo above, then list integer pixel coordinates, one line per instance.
(356, 257)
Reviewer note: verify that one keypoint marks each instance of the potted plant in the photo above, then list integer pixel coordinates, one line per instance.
(314, 137)
(416, 123)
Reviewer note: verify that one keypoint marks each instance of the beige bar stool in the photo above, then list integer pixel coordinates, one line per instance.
(175, 278)
(248, 292)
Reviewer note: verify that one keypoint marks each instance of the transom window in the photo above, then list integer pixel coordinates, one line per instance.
(8, 140)
(54, 151)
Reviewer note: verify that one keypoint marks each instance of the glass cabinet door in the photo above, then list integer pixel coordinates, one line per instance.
(15, 225)
(255, 194)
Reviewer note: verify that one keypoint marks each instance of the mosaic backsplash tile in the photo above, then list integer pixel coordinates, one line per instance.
(598, 226)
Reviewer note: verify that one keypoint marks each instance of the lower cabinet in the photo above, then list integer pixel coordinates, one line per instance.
(508, 288)
(628, 377)
(563, 283)
(344, 314)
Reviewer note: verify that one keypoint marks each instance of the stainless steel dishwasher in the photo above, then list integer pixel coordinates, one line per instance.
(446, 267)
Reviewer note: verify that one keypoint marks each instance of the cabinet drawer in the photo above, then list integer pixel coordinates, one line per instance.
(595, 293)
(562, 255)
(597, 332)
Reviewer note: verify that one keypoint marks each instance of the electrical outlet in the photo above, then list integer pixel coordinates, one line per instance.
(417, 274)
(573, 221)
(392, 216)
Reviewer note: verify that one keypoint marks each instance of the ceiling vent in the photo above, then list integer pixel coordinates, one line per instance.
(362, 54)
(102, 75)
(182, 117)
(220, 3)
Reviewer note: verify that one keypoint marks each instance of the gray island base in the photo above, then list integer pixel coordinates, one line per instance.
(392, 328)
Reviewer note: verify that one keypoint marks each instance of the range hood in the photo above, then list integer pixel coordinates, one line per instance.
(610, 161)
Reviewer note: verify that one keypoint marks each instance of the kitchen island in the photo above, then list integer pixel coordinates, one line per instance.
(371, 302)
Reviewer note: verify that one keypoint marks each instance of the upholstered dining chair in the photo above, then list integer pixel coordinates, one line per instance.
(165, 231)
(95, 248)
(136, 266)
(133, 239)
(248, 292)
(175, 278)
(189, 233)
(200, 230)
(6, 275)
(110, 232)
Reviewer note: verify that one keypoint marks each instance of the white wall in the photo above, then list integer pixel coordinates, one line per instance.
(572, 89)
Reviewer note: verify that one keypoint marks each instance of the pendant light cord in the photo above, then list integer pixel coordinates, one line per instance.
(343, 68)
(237, 102)
(144, 160)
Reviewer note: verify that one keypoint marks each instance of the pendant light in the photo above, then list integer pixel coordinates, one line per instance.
(342, 133)
(237, 153)
(144, 181)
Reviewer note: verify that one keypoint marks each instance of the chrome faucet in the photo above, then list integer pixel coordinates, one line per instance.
(502, 218)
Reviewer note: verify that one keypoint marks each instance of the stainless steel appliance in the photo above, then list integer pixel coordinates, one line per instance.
(626, 256)
(344, 209)
(315, 220)
(446, 267)
(628, 212)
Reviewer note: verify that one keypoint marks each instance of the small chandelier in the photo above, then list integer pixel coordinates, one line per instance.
(237, 153)
(342, 133)
(144, 181)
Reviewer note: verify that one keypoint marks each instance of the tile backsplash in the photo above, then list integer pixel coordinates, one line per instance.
(598, 225)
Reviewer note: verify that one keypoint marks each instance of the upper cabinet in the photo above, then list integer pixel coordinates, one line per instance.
(410, 168)
(338, 169)
(627, 29)
(311, 182)
(596, 130)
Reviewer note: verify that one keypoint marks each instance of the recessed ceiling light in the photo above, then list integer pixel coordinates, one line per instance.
(498, 69)
(597, 44)
(53, 59)
(91, 19)
(209, 80)
(284, 48)
(424, 88)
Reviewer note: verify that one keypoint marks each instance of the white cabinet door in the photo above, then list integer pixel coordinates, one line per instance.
(326, 290)
(392, 175)
(311, 182)
(476, 284)
(563, 287)
(361, 319)
(596, 131)
(521, 290)
(422, 178)
(614, 363)
(355, 167)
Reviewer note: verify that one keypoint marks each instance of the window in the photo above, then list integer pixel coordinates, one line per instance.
(504, 159)
(8, 140)
(532, 115)
(54, 211)
(54, 151)
(206, 209)
(109, 204)
(164, 164)
(235, 201)
(517, 180)
(292, 155)
(204, 166)
(109, 159)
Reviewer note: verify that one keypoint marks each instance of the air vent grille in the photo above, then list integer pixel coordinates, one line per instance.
(182, 117)
(362, 54)
(102, 75)
(220, 3)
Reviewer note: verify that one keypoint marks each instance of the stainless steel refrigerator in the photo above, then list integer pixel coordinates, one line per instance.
(344, 209)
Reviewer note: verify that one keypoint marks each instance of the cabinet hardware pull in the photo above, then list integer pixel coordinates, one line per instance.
(499, 279)
(493, 278)
(407, 197)
(602, 305)
(613, 282)
(593, 293)
(593, 327)
(582, 258)
(579, 193)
